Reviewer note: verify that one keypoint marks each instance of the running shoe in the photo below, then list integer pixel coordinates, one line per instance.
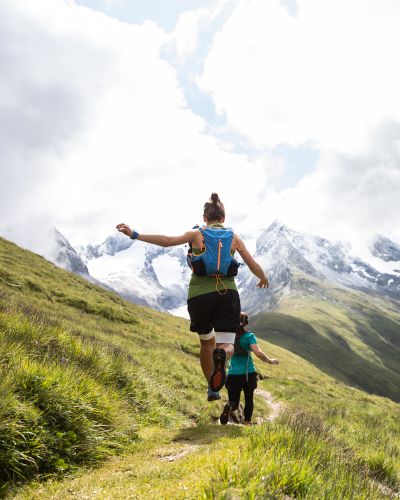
(225, 413)
(218, 376)
(212, 395)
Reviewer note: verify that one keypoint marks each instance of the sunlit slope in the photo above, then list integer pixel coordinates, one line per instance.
(81, 370)
(350, 335)
(85, 375)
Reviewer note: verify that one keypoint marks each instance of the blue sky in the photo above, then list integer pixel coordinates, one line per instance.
(111, 118)
(164, 13)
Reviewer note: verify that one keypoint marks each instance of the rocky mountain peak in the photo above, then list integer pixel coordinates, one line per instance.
(385, 249)
(294, 261)
(110, 246)
(276, 231)
(66, 256)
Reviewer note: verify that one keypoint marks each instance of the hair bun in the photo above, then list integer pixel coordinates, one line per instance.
(214, 210)
(215, 199)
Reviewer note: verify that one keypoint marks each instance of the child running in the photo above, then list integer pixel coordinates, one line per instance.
(242, 373)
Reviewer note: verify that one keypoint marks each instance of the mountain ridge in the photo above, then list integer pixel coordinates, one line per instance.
(282, 252)
(279, 249)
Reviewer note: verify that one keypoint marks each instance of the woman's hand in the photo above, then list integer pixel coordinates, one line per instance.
(124, 228)
(263, 283)
(274, 362)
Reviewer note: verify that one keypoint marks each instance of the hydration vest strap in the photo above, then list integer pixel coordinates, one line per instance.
(219, 255)
(221, 290)
(203, 245)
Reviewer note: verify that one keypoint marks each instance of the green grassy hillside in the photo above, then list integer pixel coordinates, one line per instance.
(100, 398)
(81, 370)
(347, 334)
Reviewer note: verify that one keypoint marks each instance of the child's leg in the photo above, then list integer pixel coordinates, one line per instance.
(248, 404)
(248, 389)
(234, 386)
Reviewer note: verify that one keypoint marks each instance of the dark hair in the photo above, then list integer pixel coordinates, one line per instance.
(214, 209)
(244, 321)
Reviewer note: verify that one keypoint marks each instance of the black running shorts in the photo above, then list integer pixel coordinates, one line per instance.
(213, 310)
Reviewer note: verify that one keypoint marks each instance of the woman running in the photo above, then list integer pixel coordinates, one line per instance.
(213, 299)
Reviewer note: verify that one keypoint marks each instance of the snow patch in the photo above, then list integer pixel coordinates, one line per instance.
(168, 270)
(181, 312)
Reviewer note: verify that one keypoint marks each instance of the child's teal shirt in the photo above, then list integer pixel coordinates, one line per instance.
(241, 365)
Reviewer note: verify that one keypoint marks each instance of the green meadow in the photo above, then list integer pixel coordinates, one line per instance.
(352, 336)
(100, 398)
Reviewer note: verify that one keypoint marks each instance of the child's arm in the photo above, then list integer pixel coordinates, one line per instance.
(261, 355)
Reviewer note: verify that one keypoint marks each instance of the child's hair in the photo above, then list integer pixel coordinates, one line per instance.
(244, 320)
(214, 209)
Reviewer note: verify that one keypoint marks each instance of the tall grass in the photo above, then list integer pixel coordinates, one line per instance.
(55, 414)
(296, 457)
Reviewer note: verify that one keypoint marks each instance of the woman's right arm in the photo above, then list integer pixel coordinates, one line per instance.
(159, 239)
(261, 355)
(254, 267)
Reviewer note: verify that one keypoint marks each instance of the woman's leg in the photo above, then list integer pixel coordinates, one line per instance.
(206, 356)
(228, 348)
(248, 389)
(200, 312)
(226, 320)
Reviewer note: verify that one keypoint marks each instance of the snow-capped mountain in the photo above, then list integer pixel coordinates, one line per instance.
(385, 249)
(289, 257)
(48, 242)
(64, 255)
(145, 274)
(110, 246)
(295, 263)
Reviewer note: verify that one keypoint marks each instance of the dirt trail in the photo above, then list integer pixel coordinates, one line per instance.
(276, 406)
(170, 455)
(171, 458)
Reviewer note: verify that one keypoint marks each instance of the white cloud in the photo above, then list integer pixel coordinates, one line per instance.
(185, 39)
(98, 129)
(327, 78)
(327, 75)
(347, 197)
(186, 32)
